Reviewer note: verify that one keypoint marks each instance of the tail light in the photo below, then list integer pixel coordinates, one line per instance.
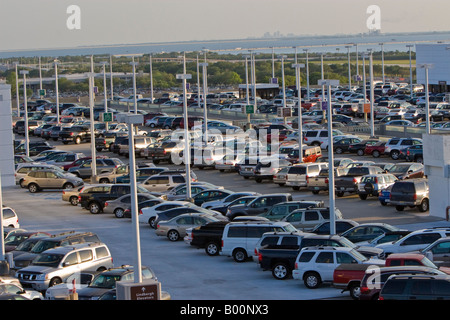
(296, 265)
(259, 257)
(106, 204)
(354, 180)
(157, 226)
(79, 198)
(376, 180)
(222, 244)
(364, 290)
(407, 152)
(256, 252)
(307, 179)
(415, 197)
(326, 180)
(380, 298)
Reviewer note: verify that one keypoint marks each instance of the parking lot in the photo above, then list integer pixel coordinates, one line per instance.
(188, 273)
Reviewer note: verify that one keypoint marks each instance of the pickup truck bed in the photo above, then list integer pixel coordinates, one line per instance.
(349, 182)
(278, 258)
(209, 237)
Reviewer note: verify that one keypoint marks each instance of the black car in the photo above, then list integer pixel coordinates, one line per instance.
(359, 147)
(341, 225)
(343, 145)
(106, 281)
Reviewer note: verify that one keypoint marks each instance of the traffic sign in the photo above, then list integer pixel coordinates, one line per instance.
(106, 117)
(41, 92)
(249, 109)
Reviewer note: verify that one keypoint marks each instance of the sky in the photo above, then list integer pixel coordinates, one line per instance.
(36, 24)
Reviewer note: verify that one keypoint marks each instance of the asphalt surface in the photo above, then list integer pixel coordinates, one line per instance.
(188, 273)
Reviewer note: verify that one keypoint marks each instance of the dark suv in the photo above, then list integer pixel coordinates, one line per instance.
(58, 240)
(416, 287)
(412, 192)
(76, 134)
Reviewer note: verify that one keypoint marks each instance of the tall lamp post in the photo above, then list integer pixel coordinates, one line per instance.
(372, 96)
(57, 90)
(297, 67)
(330, 83)
(105, 98)
(307, 73)
(151, 78)
(282, 57)
(187, 140)
(25, 109)
(427, 66)
(349, 69)
(17, 89)
(410, 70)
(111, 77)
(204, 65)
(382, 62)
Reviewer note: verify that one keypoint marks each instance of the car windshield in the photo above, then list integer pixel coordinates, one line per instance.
(399, 168)
(48, 260)
(25, 246)
(347, 243)
(428, 263)
(288, 228)
(105, 281)
(43, 245)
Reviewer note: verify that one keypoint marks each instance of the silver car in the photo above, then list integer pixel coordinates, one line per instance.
(37, 180)
(119, 205)
(175, 229)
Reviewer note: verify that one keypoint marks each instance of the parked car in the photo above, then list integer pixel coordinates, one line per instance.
(258, 206)
(368, 231)
(119, 205)
(376, 150)
(37, 180)
(210, 195)
(407, 170)
(53, 266)
(371, 185)
(149, 214)
(412, 193)
(61, 291)
(107, 280)
(296, 175)
(84, 171)
(416, 287)
(175, 228)
(14, 288)
(341, 225)
(10, 218)
(306, 219)
(315, 265)
(395, 145)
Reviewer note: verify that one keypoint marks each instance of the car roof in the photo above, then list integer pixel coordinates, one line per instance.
(68, 248)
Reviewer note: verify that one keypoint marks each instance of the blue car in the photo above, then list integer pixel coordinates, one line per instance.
(384, 196)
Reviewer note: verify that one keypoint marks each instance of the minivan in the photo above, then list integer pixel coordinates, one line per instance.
(416, 287)
(297, 175)
(411, 192)
(240, 238)
(280, 210)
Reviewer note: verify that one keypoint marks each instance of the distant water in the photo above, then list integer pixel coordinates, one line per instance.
(393, 42)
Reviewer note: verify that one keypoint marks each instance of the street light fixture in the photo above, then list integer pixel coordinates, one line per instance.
(57, 90)
(382, 62)
(427, 66)
(297, 67)
(349, 69)
(17, 89)
(372, 96)
(307, 72)
(332, 208)
(410, 71)
(204, 65)
(25, 109)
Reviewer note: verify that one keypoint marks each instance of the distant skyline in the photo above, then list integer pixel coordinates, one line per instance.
(36, 24)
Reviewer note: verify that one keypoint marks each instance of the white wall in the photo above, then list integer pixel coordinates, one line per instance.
(439, 56)
(437, 167)
(6, 137)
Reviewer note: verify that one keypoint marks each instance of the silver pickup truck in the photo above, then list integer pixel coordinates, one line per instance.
(320, 182)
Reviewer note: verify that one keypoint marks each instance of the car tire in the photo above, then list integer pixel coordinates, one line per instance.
(339, 150)
(376, 154)
(395, 154)
(240, 255)
(119, 213)
(95, 208)
(355, 291)
(212, 249)
(340, 194)
(173, 235)
(360, 152)
(296, 188)
(77, 140)
(424, 206)
(383, 203)
(312, 280)
(399, 208)
(151, 222)
(68, 185)
(73, 200)
(363, 196)
(258, 180)
(280, 271)
(104, 180)
(419, 159)
(54, 281)
(33, 187)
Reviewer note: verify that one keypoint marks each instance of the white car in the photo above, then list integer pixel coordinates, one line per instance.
(227, 200)
(149, 214)
(315, 265)
(61, 291)
(10, 218)
(14, 288)
(416, 240)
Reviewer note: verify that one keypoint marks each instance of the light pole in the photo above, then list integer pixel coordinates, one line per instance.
(364, 56)
(151, 78)
(40, 75)
(187, 140)
(133, 63)
(330, 83)
(307, 73)
(357, 59)
(253, 70)
(17, 90)
(199, 103)
(25, 109)
(92, 127)
(322, 77)
(57, 90)
(204, 65)
(410, 71)
(382, 62)
(104, 63)
(130, 120)
(427, 66)
(297, 67)
(273, 62)
(372, 123)
(111, 77)
(349, 69)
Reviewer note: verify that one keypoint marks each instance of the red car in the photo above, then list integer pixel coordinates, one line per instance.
(79, 162)
(376, 149)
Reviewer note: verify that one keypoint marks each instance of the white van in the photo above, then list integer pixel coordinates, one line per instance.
(239, 239)
(297, 175)
(10, 218)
